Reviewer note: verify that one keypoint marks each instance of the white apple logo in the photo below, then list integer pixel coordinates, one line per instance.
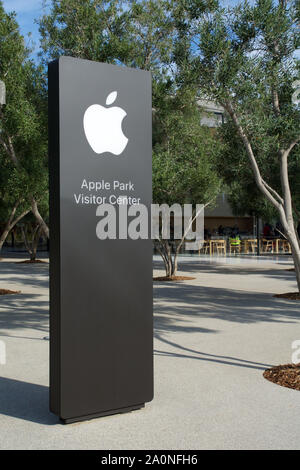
(103, 127)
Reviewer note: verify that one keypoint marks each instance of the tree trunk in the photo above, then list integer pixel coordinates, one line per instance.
(11, 223)
(283, 204)
(39, 218)
(3, 237)
(170, 261)
(175, 264)
(26, 241)
(296, 257)
(31, 246)
(293, 240)
(175, 257)
(35, 242)
(9, 148)
(164, 250)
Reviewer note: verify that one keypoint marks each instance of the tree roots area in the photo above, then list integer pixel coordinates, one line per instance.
(173, 278)
(7, 291)
(32, 261)
(287, 375)
(289, 295)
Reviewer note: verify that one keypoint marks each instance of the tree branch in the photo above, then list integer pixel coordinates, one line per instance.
(35, 211)
(291, 146)
(12, 151)
(275, 193)
(257, 175)
(275, 100)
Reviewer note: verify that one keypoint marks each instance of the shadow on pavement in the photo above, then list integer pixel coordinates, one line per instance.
(201, 356)
(26, 401)
(24, 311)
(178, 307)
(173, 303)
(36, 275)
(238, 269)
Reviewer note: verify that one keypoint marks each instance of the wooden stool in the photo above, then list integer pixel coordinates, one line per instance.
(205, 247)
(221, 247)
(268, 244)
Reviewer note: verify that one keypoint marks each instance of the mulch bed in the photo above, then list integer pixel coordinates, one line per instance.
(173, 278)
(32, 261)
(287, 375)
(7, 291)
(289, 295)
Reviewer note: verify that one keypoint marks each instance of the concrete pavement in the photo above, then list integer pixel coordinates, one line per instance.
(214, 336)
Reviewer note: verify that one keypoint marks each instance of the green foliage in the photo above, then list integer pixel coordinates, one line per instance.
(246, 55)
(184, 153)
(90, 29)
(242, 191)
(133, 33)
(23, 123)
(143, 34)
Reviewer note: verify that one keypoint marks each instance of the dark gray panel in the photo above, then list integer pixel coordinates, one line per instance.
(100, 291)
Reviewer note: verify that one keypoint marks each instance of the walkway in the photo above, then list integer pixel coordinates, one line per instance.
(214, 336)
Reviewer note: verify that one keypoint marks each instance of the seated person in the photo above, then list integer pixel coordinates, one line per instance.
(234, 242)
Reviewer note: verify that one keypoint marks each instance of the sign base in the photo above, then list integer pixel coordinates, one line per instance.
(105, 413)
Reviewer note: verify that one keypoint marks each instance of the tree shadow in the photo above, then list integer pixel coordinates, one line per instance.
(172, 301)
(36, 275)
(177, 307)
(24, 311)
(26, 401)
(202, 356)
(239, 270)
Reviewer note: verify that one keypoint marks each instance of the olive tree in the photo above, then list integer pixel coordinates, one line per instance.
(23, 129)
(245, 58)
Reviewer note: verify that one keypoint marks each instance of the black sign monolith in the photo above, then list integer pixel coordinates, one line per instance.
(101, 333)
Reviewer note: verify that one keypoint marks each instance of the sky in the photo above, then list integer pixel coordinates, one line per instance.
(27, 11)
